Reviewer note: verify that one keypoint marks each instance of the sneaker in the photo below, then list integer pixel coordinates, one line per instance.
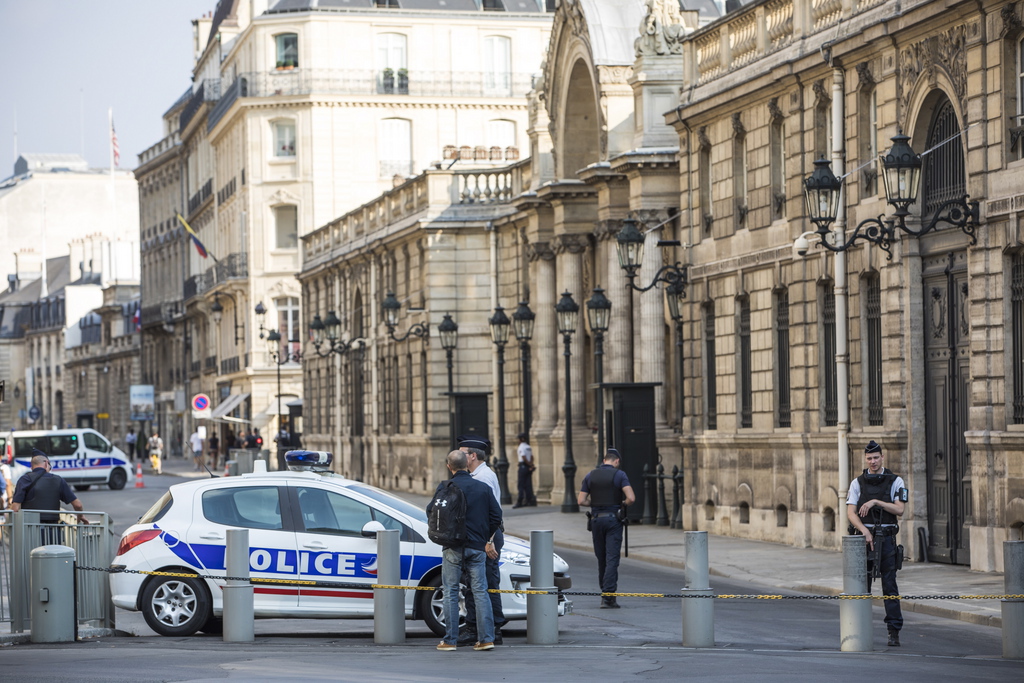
(894, 638)
(446, 647)
(481, 646)
(497, 637)
(609, 603)
(466, 637)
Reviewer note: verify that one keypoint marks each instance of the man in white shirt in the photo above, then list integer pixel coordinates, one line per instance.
(476, 448)
(526, 468)
(196, 442)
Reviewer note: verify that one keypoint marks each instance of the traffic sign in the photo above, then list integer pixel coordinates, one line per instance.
(200, 402)
(34, 413)
(102, 416)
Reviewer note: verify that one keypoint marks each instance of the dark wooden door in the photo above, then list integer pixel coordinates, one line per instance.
(633, 436)
(947, 399)
(471, 415)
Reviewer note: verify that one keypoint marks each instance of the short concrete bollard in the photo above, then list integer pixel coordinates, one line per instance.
(52, 594)
(698, 613)
(239, 620)
(389, 603)
(542, 610)
(855, 615)
(1013, 609)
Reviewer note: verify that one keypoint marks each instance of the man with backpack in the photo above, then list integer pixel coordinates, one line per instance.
(463, 516)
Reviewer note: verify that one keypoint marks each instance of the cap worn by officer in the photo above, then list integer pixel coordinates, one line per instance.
(613, 453)
(873, 447)
(478, 442)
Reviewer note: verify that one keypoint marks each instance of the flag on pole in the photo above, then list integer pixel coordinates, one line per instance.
(195, 238)
(137, 319)
(115, 149)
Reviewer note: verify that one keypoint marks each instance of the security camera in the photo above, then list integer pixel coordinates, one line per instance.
(801, 245)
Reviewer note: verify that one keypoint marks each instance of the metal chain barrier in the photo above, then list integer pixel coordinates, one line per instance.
(676, 596)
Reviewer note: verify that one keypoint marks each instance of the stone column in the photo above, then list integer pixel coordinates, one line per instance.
(569, 249)
(618, 344)
(649, 355)
(544, 350)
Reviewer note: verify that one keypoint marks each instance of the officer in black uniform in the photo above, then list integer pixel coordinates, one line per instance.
(875, 500)
(42, 490)
(606, 490)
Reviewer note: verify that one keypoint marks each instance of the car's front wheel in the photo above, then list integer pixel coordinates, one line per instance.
(432, 607)
(83, 487)
(117, 480)
(176, 606)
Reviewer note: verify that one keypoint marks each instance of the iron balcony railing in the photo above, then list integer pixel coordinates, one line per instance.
(234, 265)
(209, 91)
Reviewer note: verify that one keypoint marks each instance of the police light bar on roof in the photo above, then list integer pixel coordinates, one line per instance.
(308, 461)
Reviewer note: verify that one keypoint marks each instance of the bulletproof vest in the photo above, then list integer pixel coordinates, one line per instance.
(44, 495)
(603, 492)
(877, 487)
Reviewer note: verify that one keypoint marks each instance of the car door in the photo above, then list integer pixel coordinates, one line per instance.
(68, 457)
(333, 549)
(263, 510)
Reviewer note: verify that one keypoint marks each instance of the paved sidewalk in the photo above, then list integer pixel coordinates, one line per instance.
(775, 566)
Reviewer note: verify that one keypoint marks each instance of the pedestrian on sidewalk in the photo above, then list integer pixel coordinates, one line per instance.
(131, 439)
(483, 518)
(155, 446)
(196, 442)
(875, 500)
(606, 489)
(526, 468)
(213, 444)
(475, 448)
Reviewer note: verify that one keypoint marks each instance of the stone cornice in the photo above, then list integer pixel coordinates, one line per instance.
(565, 189)
(650, 159)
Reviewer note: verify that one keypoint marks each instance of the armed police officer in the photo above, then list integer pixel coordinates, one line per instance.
(606, 490)
(875, 501)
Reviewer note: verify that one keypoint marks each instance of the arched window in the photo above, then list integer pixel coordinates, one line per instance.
(944, 176)
(394, 147)
(497, 65)
(287, 50)
(286, 227)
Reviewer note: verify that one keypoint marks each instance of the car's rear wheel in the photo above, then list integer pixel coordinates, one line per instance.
(176, 606)
(117, 480)
(82, 487)
(432, 607)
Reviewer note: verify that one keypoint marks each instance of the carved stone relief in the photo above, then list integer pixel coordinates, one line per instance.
(539, 250)
(661, 29)
(573, 243)
(607, 229)
(946, 52)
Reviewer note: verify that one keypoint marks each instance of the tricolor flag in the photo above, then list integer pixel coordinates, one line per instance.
(195, 238)
(114, 148)
(137, 320)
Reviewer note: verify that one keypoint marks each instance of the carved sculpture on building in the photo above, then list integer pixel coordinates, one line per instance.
(661, 30)
(946, 53)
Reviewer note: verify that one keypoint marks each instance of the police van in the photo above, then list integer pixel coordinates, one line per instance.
(83, 457)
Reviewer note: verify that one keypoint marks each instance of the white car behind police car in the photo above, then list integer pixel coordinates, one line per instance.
(304, 525)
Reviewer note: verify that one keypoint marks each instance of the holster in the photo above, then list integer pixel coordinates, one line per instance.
(590, 521)
(620, 514)
(899, 557)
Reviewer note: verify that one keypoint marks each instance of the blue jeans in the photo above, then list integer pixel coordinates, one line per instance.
(472, 562)
(493, 581)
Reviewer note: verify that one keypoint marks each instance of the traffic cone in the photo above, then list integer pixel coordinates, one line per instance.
(227, 470)
(138, 476)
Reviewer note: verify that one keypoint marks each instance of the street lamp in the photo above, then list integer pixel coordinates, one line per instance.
(567, 312)
(901, 176)
(500, 327)
(217, 312)
(675, 295)
(448, 330)
(630, 248)
(392, 307)
(326, 332)
(599, 310)
(522, 324)
(281, 356)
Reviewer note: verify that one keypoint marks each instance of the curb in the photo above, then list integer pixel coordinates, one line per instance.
(83, 633)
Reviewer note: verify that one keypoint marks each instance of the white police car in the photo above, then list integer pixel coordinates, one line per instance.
(83, 457)
(303, 525)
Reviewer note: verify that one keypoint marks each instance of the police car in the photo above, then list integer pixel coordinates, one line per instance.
(306, 524)
(83, 457)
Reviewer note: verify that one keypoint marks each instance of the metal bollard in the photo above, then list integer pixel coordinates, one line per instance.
(53, 594)
(388, 603)
(855, 615)
(542, 610)
(239, 622)
(649, 495)
(677, 486)
(1013, 609)
(698, 613)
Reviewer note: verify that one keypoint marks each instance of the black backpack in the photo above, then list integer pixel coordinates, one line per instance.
(447, 521)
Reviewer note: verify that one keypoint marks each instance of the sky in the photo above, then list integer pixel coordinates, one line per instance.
(66, 62)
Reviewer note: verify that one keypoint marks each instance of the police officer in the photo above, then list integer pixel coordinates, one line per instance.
(606, 490)
(875, 500)
(42, 490)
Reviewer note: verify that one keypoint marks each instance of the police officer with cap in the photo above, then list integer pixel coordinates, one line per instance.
(875, 500)
(606, 490)
(42, 490)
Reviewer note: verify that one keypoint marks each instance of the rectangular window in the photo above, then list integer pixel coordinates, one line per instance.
(288, 322)
(827, 362)
(287, 51)
(823, 131)
(497, 65)
(867, 123)
(739, 169)
(704, 187)
(782, 383)
(712, 374)
(286, 227)
(746, 371)
(1017, 320)
(394, 147)
(873, 340)
(393, 74)
(777, 169)
(1019, 122)
(284, 139)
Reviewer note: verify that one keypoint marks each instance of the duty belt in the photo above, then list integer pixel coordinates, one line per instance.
(882, 530)
(595, 515)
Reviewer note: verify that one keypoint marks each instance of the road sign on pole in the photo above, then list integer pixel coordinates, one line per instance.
(201, 407)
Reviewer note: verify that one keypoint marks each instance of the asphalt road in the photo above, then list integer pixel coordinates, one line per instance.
(788, 640)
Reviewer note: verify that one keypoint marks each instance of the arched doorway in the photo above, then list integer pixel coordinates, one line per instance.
(580, 134)
(947, 350)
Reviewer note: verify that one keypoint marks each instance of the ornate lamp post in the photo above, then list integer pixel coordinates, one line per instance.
(567, 312)
(522, 324)
(599, 310)
(901, 176)
(326, 332)
(392, 307)
(217, 311)
(281, 357)
(630, 248)
(500, 327)
(675, 295)
(449, 333)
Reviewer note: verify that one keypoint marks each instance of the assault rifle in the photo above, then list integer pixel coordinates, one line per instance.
(876, 554)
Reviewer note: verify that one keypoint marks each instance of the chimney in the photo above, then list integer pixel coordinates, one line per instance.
(77, 250)
(28, 266)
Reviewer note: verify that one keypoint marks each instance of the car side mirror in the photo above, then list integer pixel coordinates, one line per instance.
(370, 529)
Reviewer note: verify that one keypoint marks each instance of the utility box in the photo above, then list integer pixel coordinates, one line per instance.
(52, 589)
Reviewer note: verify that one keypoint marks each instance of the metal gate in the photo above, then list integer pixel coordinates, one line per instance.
(947, 375)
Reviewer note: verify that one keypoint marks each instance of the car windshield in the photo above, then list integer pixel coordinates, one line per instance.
(391, 501)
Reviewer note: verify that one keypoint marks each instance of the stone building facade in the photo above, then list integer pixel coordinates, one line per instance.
(704, 131)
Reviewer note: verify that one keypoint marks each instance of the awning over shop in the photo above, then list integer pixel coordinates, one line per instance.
(286, 400)
(228, 404)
